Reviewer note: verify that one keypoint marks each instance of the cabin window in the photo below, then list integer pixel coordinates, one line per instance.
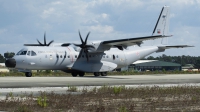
(104, 56)
(68, 56)
(113, 57)
(116, 56)
(65, 56)
(60, 56)
(75, 56)
(57, 56)
(107, 56)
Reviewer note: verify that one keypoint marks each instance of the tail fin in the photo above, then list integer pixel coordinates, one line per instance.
(162, 25)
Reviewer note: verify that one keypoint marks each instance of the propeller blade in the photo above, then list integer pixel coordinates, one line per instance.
(81, 37)
(45, 39)
(50, 43)
(87, 38)
(86, 52)
(80, 53)
(40, 43)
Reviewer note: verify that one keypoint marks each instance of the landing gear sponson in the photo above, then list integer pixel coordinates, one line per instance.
(81, 74)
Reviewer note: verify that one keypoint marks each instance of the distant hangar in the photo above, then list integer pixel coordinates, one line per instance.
(153, 65)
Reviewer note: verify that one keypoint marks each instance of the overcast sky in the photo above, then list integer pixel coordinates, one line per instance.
(24, 21)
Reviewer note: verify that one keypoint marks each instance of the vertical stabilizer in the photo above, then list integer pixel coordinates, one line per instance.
(162, 25)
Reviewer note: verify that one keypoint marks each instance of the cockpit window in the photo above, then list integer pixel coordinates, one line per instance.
(19, 52)
(29, 53)
(33, 53)
(23, 53)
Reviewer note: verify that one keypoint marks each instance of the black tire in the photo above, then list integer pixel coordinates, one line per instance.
(103, 73)
(96, 74)
(28, 74)
(74, 74)
(81, 74)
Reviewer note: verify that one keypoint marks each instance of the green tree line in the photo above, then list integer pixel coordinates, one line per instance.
(6, 56)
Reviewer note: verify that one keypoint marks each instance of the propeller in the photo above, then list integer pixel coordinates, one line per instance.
(40, 44)
(84, 47)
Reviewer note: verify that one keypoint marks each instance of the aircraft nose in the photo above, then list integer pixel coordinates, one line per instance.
(11, 63)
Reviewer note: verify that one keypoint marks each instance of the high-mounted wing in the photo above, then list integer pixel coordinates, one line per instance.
(132, 41)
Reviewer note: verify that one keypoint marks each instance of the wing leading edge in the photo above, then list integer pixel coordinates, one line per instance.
(132, 41)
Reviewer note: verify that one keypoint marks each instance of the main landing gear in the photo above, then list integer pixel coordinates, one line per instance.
(96, 74)
(75, 74)
(28, 74)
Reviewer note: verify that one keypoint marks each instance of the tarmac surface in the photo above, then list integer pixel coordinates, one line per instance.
(27, 82)
(60, 85)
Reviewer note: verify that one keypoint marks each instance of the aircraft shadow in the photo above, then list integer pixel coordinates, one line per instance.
(103, 77)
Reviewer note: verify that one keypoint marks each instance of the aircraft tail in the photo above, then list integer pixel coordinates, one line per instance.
(162, 25)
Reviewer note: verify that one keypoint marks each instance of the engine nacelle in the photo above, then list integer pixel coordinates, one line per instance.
(98, 47)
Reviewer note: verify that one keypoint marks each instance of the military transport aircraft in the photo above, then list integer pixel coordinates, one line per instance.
(96, 57)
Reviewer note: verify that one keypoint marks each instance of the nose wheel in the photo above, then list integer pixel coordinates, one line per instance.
(28, 74)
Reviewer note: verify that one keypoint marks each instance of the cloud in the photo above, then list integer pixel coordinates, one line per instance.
(2, 31)
(102, 29)
(47, 12)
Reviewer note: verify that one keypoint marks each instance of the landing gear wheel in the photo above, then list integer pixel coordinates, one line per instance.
(74, 74)
(28, 74)
(81, 74)
(96, 74)
(103, 73)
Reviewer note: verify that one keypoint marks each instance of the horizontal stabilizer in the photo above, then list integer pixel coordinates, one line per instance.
(163, 47)
(173, 46)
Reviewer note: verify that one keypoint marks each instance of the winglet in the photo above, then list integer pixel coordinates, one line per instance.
(162, 24)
